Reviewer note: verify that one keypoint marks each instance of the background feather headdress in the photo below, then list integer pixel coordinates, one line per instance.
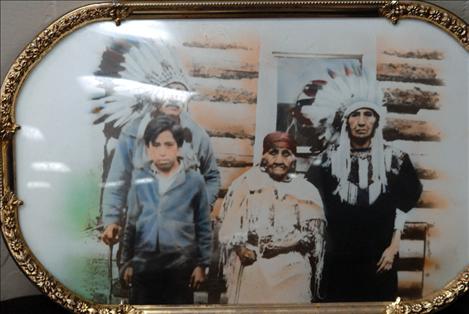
(134, 76)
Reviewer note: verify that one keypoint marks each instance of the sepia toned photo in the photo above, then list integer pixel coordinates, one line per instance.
(286, 161)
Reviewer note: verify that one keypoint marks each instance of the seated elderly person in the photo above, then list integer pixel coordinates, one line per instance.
(272, 229)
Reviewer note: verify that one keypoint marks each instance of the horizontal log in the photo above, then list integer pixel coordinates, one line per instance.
(232, 152)
(403, 72)
(415, 231)
(410, 291)
(218, 57)
(232, 163)
(224, 94)
(247, 85)
(216, 45)
(416, 54)
(244, 72)
(410, 100)
(410, 284)
(235, 135)
(431, 199)
(409, 278)
(411, 264)
(241, 147)
(412, 248)
(410, 130)
(225, 119)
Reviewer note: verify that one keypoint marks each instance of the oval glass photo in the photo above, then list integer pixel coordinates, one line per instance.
(241, 156)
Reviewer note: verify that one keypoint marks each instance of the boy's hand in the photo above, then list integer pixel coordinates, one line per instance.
(128, 274)
(197, 277)
(111, 234)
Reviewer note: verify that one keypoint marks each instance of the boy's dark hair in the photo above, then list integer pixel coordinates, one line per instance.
(160, 124)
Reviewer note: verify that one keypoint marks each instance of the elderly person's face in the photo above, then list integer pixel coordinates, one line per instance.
(362, 123)
(278, 160)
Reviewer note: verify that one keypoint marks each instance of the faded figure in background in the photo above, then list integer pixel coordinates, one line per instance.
(145, 88)
(271, 236)
(167, 237)
(366, 185)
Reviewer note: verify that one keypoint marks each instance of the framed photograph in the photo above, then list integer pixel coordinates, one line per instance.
(248, 156)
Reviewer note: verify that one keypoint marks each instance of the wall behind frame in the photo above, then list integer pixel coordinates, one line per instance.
(21, 21)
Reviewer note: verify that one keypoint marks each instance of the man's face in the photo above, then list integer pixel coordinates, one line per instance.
(278, 161)
(362, 123)
(163, 151)
(173, 108)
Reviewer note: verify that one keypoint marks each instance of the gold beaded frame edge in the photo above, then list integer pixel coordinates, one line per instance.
(391, 9)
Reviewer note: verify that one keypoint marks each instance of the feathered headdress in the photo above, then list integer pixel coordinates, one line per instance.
(134, 76)
(343, 94)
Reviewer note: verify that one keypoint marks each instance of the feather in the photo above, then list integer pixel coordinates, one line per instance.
(344, 90)
(132, 79)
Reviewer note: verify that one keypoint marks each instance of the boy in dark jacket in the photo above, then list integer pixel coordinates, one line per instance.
(167, 237)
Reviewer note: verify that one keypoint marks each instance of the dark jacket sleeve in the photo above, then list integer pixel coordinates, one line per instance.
(408, 187)
(203, 228)
(209, 169)
(128, 240)
(118, 182)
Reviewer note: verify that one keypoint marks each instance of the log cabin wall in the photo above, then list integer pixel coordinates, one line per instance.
(412, 85)
(224, 75)
(420, 87)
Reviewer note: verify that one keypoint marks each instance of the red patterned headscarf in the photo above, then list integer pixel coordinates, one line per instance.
(279, 139)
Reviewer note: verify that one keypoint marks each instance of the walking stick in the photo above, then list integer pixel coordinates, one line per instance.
(238, 284)
(110, 273)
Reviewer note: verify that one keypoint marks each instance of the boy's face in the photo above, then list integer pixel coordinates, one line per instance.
(164, 152)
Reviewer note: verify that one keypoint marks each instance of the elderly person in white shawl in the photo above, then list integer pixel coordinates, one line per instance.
(272, 231)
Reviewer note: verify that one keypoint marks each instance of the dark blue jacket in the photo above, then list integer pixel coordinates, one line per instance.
(171, 229)
(130, 154)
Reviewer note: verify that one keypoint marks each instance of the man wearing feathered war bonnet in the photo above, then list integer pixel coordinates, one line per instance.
(271, 235)
(150, 82)
(363, 182)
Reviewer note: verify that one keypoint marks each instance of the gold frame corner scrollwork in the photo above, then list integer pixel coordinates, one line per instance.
(436, 301)
(394, 10)
(41, 45)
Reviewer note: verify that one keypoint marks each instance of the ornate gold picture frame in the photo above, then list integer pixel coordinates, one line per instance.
(256, 78)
